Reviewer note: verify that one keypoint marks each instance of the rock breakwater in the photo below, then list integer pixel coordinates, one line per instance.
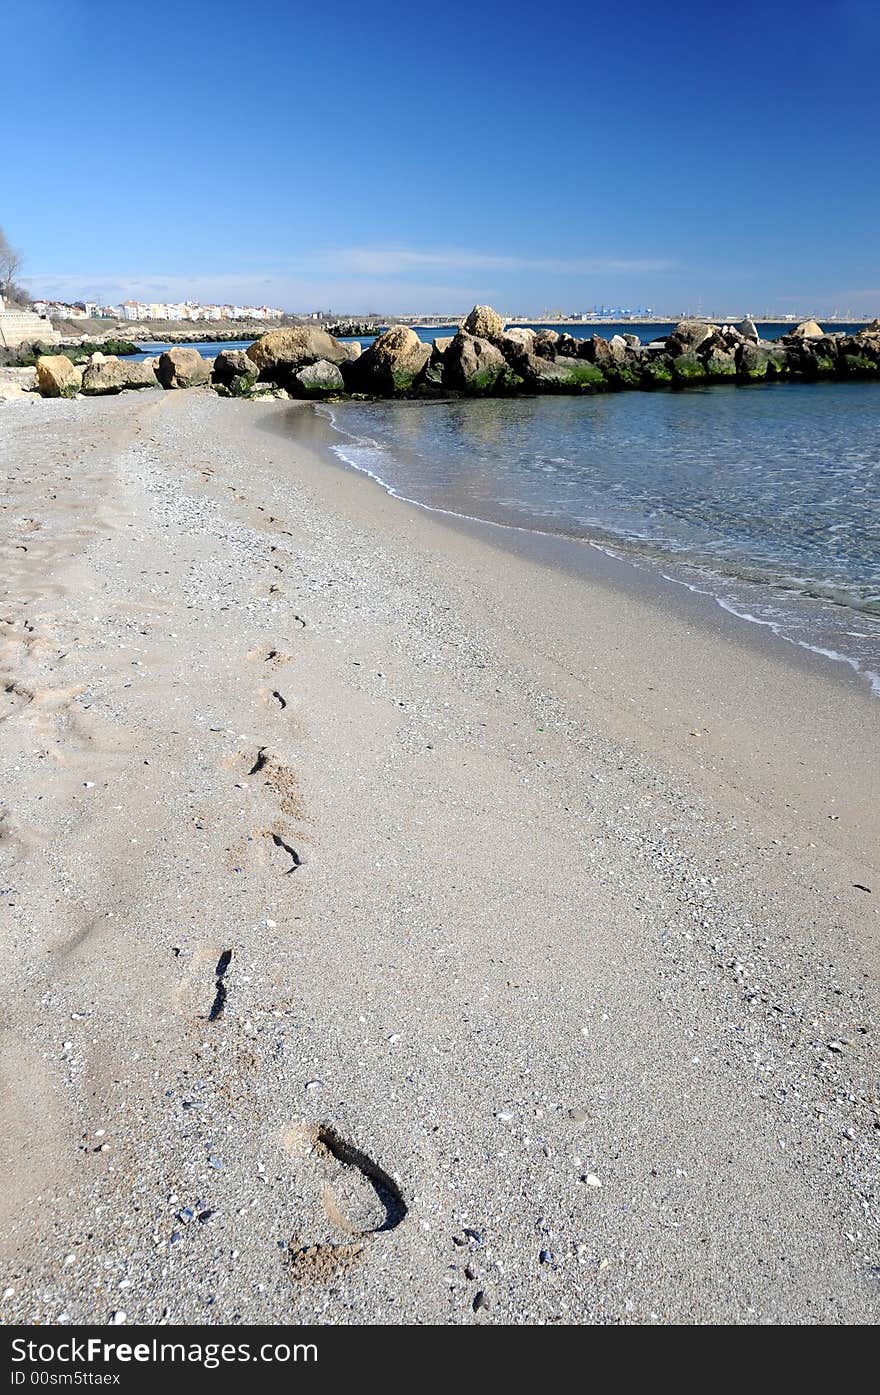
(485, 358)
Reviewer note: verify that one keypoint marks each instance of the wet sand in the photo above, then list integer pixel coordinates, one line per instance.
(399, 928)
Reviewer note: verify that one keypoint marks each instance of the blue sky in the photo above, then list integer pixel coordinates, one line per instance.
(415, 157)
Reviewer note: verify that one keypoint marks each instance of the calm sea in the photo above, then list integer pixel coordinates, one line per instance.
(765, 497)
(208, 350)
(644, 331)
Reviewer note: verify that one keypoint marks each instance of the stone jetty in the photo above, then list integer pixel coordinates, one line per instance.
(485, 358)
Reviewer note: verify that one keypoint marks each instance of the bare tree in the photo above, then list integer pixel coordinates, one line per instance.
(10, 268)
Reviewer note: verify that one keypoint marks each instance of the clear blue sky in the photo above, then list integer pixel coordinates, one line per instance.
(360, 156)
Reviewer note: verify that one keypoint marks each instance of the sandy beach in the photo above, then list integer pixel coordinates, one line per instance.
(400, 926)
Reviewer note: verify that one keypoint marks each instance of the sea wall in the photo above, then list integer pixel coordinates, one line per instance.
(24, 327)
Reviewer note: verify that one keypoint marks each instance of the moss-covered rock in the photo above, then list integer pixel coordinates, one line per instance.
(231, 364)
(561, 374)
(752, 361)
(625, 374)
(321, 379)
(720, 364)
(687, 368)
(858, 365)
(391, 365)
(474, 365)
(657, 371)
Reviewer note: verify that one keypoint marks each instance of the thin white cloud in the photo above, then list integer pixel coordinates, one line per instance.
(387, 279)
(391, 261)
(352, 294)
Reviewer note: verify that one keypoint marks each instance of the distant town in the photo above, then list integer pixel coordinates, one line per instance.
(138, 311)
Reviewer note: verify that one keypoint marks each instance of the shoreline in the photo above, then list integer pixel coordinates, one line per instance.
(681, 638)
(615, 561)
(574, 944)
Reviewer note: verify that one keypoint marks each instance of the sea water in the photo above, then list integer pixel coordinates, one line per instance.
(766, 497)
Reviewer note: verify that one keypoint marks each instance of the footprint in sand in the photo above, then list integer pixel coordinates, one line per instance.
(353, 1199)
(273, 658)
(202, 992)
(13, 698)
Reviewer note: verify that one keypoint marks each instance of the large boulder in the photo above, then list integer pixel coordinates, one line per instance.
(597, 350)
(353, 349)
(567, 346)
(544, 343)
(318, 380)
(869, 337)
(716, 343)
(57, 376)
(484, 323)
(807, 329)
(688, 335)
(391, 364)
(813, 358)
(747, 329)
(603, 352)
(561, 374)
(474, 365)
(109, 375)
(515, 342)
(754, 362)
(182, 368)
(231, 364)
(280, 353)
